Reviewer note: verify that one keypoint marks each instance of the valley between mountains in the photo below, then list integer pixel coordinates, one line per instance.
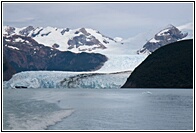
(49, 57)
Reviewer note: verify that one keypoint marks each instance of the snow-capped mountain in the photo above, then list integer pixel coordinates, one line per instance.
(76, 40)
(29, 49)
(25, 54)
(90, 40)
(168, 35)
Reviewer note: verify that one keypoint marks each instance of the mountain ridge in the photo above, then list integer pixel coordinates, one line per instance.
(165, 36)
(91, 40)
(64, 39)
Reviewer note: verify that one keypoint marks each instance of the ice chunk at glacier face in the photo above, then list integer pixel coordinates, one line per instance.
(57, 79)
(37, 79)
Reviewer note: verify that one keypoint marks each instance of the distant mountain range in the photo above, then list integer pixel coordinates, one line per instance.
(50, 48)
(77, 40)
(90, 40)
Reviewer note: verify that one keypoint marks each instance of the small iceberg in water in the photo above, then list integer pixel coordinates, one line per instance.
(147, 92)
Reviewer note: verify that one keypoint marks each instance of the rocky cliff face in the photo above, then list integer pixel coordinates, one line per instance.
(166, 36)
(25, 54)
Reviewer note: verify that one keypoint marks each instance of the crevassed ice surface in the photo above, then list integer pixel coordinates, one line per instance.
(56, 79)
(118, 63)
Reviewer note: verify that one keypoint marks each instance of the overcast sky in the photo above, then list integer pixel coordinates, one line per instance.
(111, 19)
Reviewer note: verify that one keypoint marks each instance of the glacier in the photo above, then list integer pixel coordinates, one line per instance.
(121, 62)
(59, 79)
(113, 74)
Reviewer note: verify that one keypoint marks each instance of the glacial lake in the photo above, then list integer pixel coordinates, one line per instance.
(98, 109)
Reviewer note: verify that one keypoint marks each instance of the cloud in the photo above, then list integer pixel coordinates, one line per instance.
(116, 20)
(20, 20)
(111, 18)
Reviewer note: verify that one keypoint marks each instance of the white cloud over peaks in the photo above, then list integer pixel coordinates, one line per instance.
(20, 20)
(114, 19)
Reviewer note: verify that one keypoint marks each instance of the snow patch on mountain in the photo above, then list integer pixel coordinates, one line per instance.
(118, 39)
(154, 40)
(13, 47)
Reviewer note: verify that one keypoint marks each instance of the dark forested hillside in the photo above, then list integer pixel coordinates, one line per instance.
(8, 70)
(171, 66)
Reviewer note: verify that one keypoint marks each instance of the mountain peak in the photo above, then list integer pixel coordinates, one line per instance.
(166, 36)
(170, 26)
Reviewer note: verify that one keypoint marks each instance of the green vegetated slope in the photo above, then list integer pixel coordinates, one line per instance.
(170, 66)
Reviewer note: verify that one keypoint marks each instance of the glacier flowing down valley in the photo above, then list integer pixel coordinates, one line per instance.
(113, 74)
(58, 79)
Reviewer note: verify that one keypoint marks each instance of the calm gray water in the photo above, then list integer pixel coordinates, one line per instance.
(98, 109)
